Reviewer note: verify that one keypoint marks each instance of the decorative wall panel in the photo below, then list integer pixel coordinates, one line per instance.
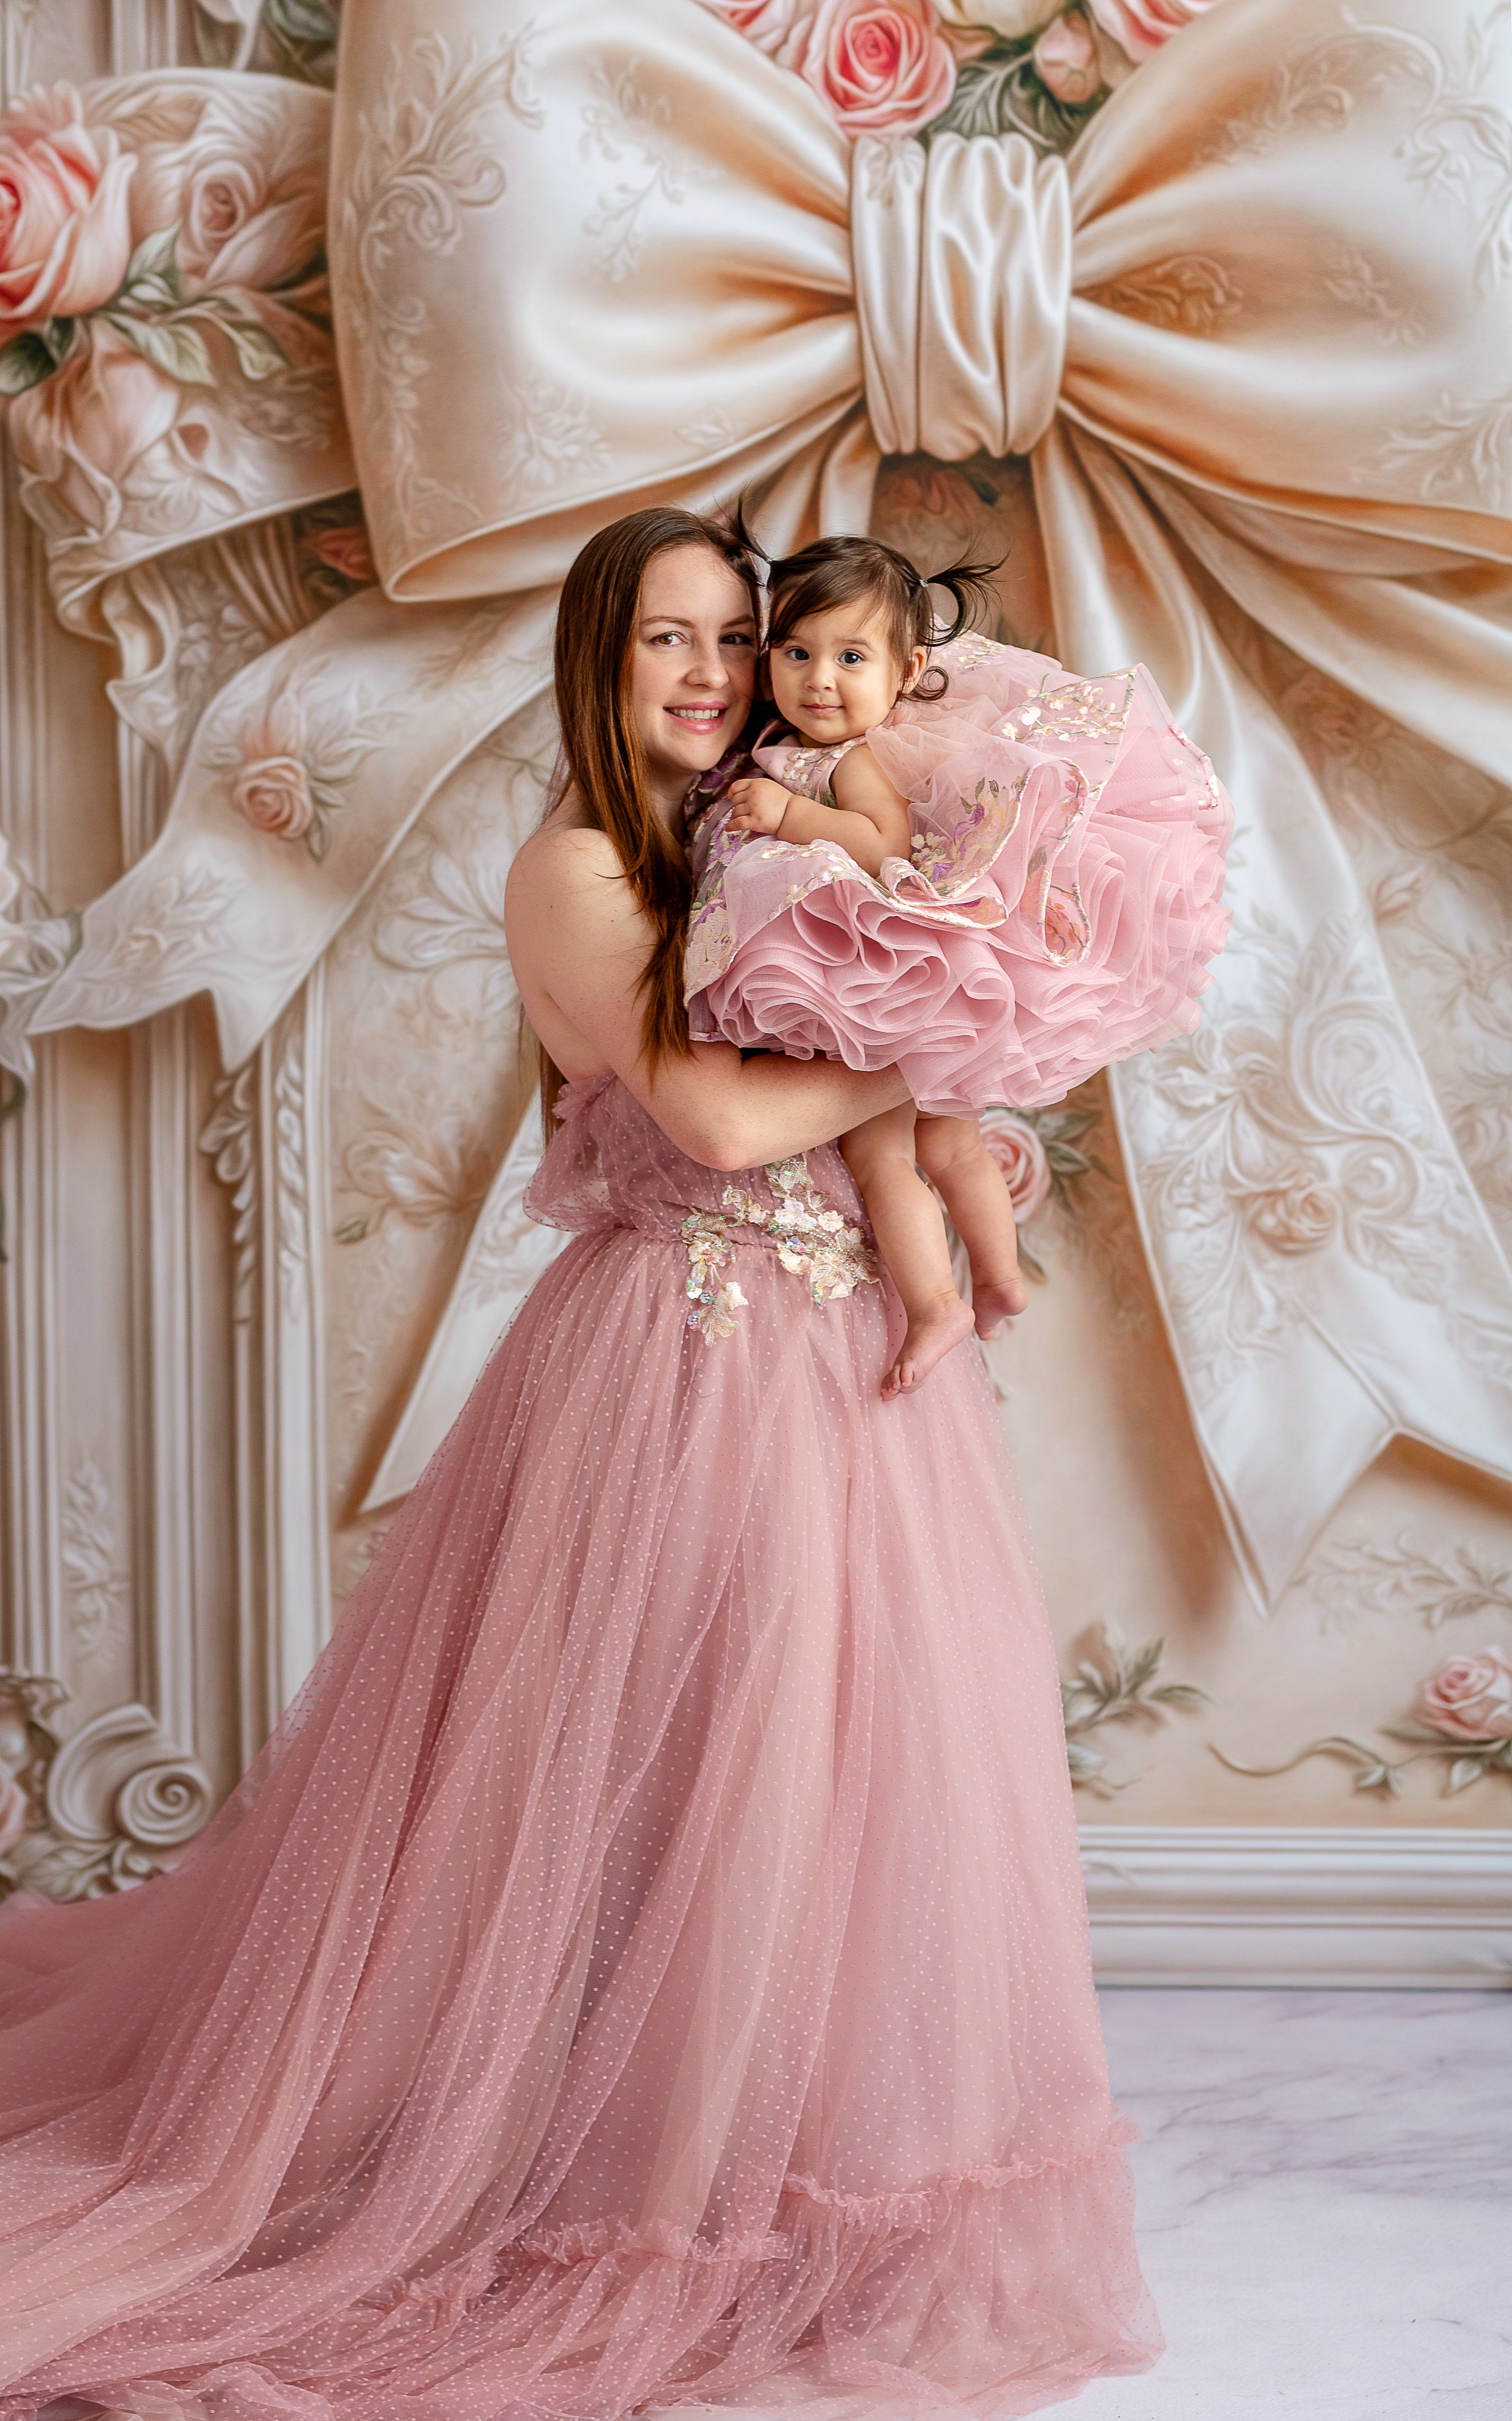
(258, 1245)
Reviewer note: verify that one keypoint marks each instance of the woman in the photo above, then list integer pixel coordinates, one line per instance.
(648, 1964)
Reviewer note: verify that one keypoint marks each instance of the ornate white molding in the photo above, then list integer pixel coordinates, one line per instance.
(98, 1812)
(1295, 1904)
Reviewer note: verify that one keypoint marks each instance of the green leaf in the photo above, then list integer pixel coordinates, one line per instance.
(24, 362)
(1421, 1734)
(984, 489)
(1180, 1694)
(1031, 1266)
(1083, 1761)
(1065, 1162)
(169, 345)
(1145, 1662)
(257, 350)
(155, 264)
(1379, 1777)
(318, 839)
(353, 1231)
(1464, 1771)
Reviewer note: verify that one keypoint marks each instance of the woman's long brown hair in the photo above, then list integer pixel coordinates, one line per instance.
(602, 760)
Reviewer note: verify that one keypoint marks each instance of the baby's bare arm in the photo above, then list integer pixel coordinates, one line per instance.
(869, 821)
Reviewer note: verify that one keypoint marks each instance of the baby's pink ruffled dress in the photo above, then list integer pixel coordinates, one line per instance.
(1057, 912)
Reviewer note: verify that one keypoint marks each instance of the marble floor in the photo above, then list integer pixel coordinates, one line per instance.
(1325, 2207)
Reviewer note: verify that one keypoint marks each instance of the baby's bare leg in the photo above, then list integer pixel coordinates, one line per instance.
(977, 1195)
(910, 1237)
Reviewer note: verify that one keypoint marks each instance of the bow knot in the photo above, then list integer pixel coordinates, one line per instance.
(962, 263)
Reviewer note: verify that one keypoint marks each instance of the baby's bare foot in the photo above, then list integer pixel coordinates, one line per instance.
(931, 1336)
(994, 1304)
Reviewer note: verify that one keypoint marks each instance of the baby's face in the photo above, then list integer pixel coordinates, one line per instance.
(835, 674)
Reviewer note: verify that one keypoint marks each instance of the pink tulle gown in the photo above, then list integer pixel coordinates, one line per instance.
(648, 1964)
(1057, 912)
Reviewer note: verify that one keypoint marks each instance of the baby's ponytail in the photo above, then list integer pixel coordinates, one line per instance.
(969, 586)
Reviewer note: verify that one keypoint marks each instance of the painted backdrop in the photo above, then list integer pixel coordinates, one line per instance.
(314, 377)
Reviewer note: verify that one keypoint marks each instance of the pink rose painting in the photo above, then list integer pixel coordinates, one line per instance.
(1018, 1151)
(1141, 26)
(880, 69)
(65, 210)
(1067, 59)
(1470, 1697)
(880, 66)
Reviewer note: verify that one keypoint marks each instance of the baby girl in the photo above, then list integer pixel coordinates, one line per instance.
(957, 859)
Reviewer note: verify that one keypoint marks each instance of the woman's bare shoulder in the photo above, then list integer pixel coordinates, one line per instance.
(567, 891)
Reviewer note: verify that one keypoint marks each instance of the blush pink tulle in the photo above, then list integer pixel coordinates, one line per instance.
(648, 1964)
(1086, 909)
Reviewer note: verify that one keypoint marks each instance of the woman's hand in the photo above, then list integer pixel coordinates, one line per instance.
(759, 804)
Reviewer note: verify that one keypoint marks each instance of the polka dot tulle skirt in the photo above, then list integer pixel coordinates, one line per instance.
(648, 1965)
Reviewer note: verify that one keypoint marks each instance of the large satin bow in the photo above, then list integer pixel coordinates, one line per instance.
(1254, 336)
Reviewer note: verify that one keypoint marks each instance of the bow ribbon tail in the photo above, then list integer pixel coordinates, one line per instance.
(303, 778)
(1328, 1271)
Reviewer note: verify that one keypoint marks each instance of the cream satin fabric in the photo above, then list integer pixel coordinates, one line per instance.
(1255, 331)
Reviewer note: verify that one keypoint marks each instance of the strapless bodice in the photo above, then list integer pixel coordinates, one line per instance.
(609, 1166)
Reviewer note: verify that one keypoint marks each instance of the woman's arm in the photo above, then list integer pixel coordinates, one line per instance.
(869, 819)
(578, 942)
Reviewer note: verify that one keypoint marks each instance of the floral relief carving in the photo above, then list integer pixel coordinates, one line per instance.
(179, 928)
(286, 769)
(1357, 1576)
(1300, 1129)
(546, 435)
(420, 1170)
(1355, 282)
(1463, 1717)
(228, 1140)
(292, 1219)
(422, 160)
(1459, 144)
(1114, 1682)
(1189, 291)
(95, 1578)
(1459, 453)
(623, 123)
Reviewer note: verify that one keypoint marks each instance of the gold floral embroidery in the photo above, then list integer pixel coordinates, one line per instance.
(811, 1241)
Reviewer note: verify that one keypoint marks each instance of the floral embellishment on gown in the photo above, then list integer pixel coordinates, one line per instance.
(812, 1241)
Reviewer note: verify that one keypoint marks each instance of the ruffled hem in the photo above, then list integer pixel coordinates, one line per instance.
(991, 2290)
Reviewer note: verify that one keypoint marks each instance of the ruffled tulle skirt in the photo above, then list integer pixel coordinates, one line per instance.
(648, 1964)
(1060, 911)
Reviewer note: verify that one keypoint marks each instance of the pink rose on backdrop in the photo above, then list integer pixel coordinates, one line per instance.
(272, 787)
(765, 23)
(1013, 1144)
(15, 1807)
(65, 215)
(880, 66)
(250, 212)
(1067, 59)
(1141, 26)
(1471, 1696)
(345, 552)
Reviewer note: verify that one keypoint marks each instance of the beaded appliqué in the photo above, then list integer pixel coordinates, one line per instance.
(811, 1241)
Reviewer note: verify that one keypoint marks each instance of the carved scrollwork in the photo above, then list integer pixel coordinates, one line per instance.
(98, 1812)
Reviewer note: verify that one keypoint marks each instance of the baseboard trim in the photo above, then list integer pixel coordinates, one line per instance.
(1295, 1905)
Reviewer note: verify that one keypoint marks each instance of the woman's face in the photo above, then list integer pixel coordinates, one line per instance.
(692, 673)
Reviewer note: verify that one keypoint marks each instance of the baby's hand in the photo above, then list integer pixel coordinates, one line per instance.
(759, 804)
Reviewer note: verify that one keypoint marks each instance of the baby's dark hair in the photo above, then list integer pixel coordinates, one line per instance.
(848, 570)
